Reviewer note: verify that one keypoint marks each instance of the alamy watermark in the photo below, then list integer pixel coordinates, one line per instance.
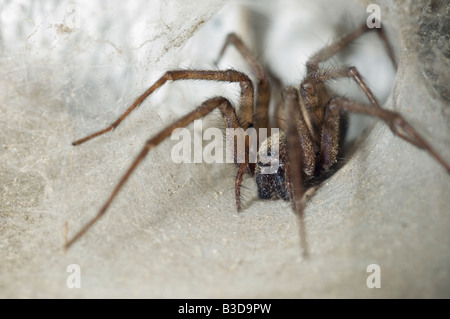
(374, 279)
(374, 19)
(74, 279)
(72, 16)
(241, 146)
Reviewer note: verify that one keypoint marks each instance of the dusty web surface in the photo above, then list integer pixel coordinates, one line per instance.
(174, 231)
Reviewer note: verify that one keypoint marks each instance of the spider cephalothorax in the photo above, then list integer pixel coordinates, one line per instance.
(272, 185)
(310, 140)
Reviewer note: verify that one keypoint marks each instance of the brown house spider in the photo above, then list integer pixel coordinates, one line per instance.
(310, 143)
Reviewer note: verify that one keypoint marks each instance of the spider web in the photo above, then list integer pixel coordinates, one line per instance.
(173, 231)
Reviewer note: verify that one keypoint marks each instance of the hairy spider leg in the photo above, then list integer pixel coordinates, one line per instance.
(398, 125)
(229, 116)
(293, 168)
(262, 97)
(324, 128)
(245, 104)
(320, 76)
(242, 120)
(330, 50)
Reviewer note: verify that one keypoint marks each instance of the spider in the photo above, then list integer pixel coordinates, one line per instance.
(311, 139)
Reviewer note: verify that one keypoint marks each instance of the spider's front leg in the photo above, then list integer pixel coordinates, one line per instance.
(229, 116)
(232, 120)
(398, 125)
(330, 50)
(300, 153)
(309, 84)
